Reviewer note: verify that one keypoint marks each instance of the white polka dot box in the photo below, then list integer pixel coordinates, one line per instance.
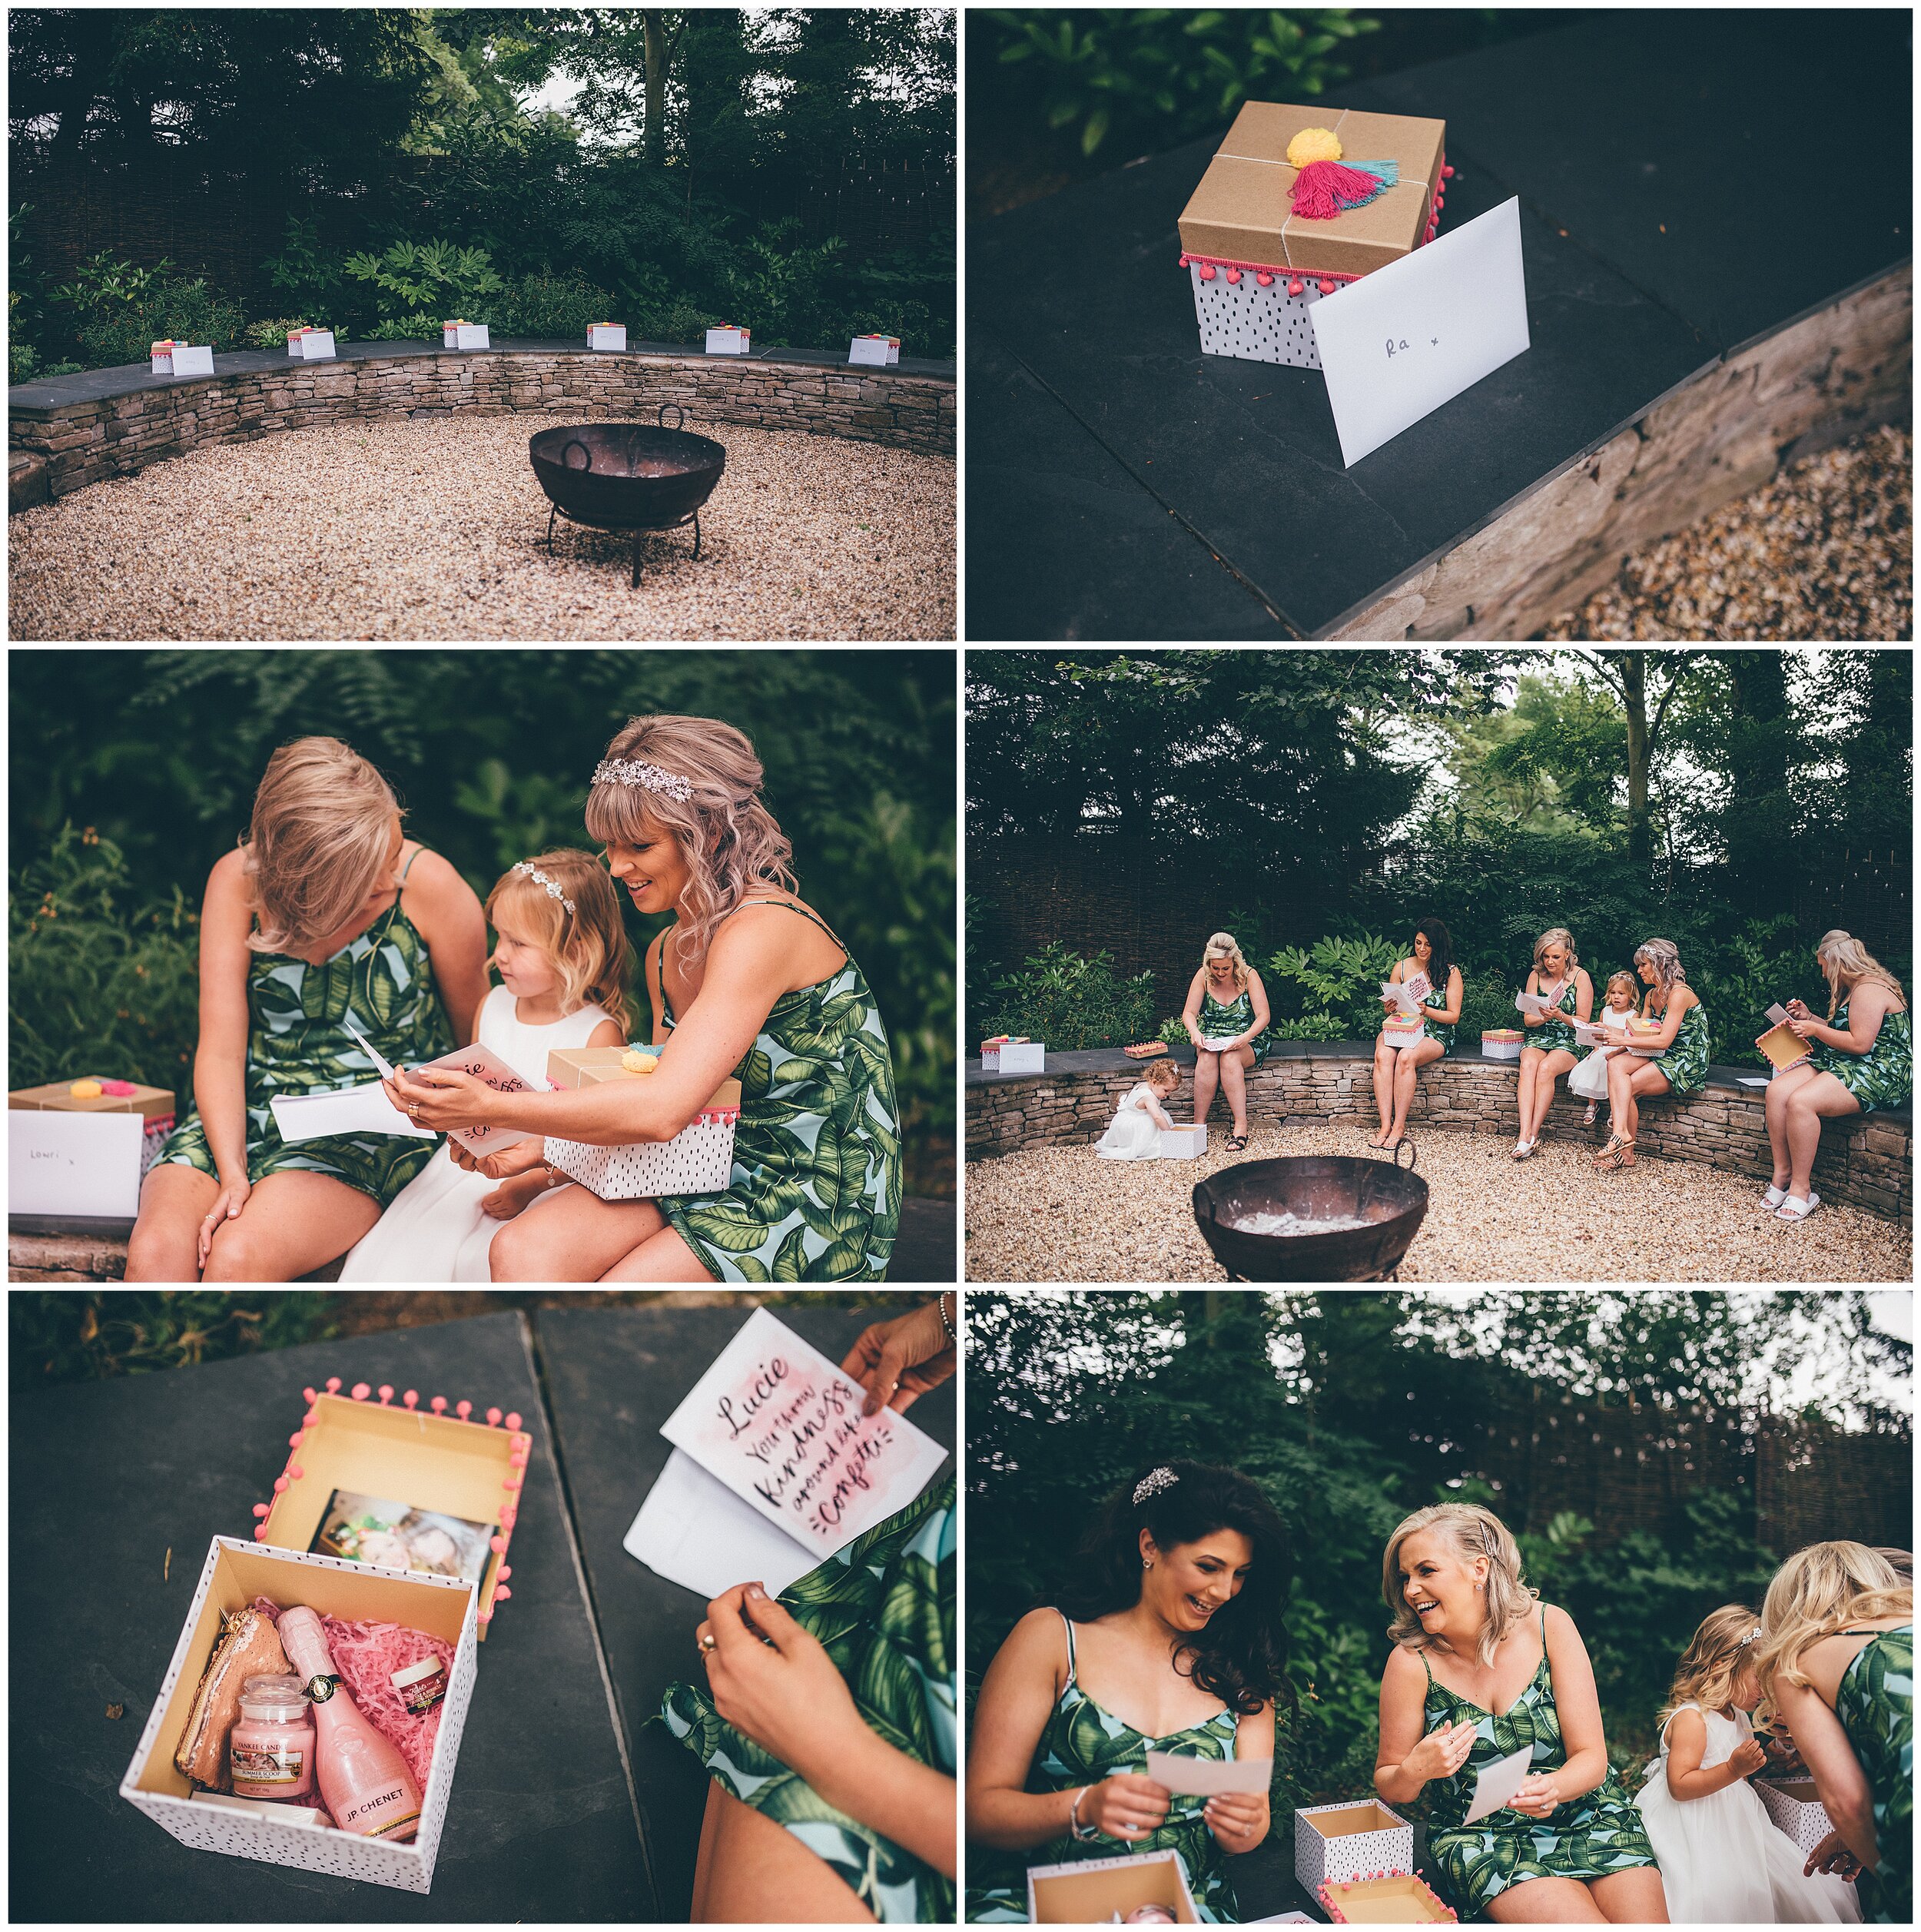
(1297, 203)
(1795, 1806)
(698, 1160)
(1335, 1842)
(384, 1443)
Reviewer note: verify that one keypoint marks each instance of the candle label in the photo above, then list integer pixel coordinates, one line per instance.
(283, 1764)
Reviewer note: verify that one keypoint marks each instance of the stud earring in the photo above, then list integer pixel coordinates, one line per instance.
(1146, 1562)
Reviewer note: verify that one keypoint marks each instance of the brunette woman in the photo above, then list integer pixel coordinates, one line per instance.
(1172, 1639)
(1226, 1017)
(1431, 965)
(1481, 1669)
(1559, 978)
(326, 914)
(1676, 1056)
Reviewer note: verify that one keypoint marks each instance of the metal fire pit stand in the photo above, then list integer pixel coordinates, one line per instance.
(637, 530)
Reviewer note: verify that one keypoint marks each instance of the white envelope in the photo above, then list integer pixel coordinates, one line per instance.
(693, 1530)
(1498, 1782)
(351, 1109)
(1530, 1003)
(74, 1163)
(1398, 343)
(1209, 1776)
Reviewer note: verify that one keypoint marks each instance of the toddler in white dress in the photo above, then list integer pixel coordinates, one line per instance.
(1723, 1861)
(1589, 1077)
(561, 950)
(1134, 1132)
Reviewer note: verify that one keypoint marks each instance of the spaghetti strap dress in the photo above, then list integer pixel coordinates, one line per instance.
(1220, 1022)
(1082, 1744)
(297, 1043)
(883, 1608)
(1598, 1832)
(1882, 1077)
(1685, 1062)
(1876, 1705)
(1556, 1035)
(815, 1194)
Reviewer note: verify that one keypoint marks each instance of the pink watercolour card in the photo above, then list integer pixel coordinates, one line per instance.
(780, 1425)
(484, 1064)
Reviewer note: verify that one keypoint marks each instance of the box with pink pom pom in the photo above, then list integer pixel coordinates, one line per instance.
(1351, 1841)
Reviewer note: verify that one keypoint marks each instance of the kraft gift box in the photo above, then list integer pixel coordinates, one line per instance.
(1337, 1842)
(1013, 1056)
(606, 335)
(699, 1159)
(1796, 1808)
(1096, 1892)
(1256, 266)
(1502, 1043)
(729, 341)
(1388, 1898)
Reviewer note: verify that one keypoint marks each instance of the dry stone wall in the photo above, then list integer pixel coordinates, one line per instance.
(83, 441)
(1866, 1160)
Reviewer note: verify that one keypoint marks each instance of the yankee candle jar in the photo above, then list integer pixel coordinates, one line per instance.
(271, 1751)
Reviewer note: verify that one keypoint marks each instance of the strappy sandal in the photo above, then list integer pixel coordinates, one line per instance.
(1619, 1152)
(1236, 1143)
(1795, 1209)
(1523, 1150)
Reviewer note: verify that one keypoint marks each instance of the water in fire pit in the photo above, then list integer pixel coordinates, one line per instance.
(1288, 1224)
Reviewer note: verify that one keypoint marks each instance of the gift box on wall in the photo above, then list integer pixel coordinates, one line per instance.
(1795, 1806)
(1256, 266)
(1502, 1043)
(1006, 1056)
(606, 335)
(462, 334)
(313, 343)
(729, 341)
(1387, 1898)
(1338, 1842)
(154, 1104)
(1098, 1891)
(879, 350)
(293, 337)
(699, 1159)
(1186, 1140)
(181, 359)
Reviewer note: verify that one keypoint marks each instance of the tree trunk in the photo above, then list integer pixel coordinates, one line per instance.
(1758, 823)
(1634, 691)
(654, 133)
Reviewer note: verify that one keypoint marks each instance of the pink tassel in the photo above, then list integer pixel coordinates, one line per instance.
(1323, 189)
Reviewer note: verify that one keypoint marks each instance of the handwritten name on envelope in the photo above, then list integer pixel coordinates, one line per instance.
(781, 1426)
(1397, 344)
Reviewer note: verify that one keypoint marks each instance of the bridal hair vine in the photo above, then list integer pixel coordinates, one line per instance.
(1153, 1483)
(637, 771)
(1749, 1638)
(540, 879)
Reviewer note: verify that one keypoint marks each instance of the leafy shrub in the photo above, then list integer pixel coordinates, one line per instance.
(1487, 1003)
(408, 279)
(273, 334)
(560, 307)
(1335, 984)
(418, 327)
(311, 274)
(124, 310)
(97, 1333)
(1073, 1003)
(783, 287)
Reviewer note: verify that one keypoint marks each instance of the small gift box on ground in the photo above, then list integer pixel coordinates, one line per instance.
(606, 335)
(699, 1159)
(1338, 1842)
(1388, 1898)
(461, 334)
(1186, 1140)
(313, 344)
(1502, 1043)
(1098, 1891)
(1298, 202)
(727, 341)
(99, 1095)
(1795, 1806)
(878, 350)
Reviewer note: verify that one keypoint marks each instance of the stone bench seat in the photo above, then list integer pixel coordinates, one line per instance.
(1865, 1159)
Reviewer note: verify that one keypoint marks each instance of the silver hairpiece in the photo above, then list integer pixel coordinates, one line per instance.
(1749, 1637)
(540, 879)
(637, 771)
(1153, 1483)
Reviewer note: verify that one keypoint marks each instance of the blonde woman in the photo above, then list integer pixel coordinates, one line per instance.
(1481, 1669)
(1558, 978)
(746, 981)
(325, 913)
(1227, 1017)
(1676, 1056)
(1836, 1659)
(1863, 1058)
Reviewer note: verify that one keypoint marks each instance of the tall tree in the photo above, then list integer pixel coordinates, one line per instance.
(1625, 673)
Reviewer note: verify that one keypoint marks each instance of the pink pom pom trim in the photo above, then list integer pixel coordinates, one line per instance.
(411, 1399)
(386, 1394)
(493, 1418)
(361, 1392)
(333, 1385)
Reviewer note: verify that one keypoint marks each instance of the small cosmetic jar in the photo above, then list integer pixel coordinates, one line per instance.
(421, 1686)
(270, 1751)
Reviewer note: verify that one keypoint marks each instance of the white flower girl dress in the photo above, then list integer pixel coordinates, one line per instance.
(1133, 1134)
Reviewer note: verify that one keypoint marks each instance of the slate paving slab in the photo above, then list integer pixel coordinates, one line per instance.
(106, 1477)
(613, 1376)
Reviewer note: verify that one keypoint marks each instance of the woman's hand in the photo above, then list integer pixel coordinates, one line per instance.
(1126, 1806)
(440, 1097)
(226, 1206)
(898, 1361)
(1831, 1856)
(1536, 1798)
(1803, 1025)
(1440, 1753)
(775, 1683)
(1747, 1757)
(1238, 1819)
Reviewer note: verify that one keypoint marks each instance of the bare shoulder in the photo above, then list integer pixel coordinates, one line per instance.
(1560, 1628)
(1403, 1669)
(608, 1034)
(434, 880)
(228, 878)
(1036, 1643)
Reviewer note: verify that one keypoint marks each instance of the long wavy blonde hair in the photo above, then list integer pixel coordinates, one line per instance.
(729, 839)
(1838, 953)
(1712, 1660)
(1223, 945)
(1558, 936)
(1668, 971)
(587, 947)
(1469, 1531)
(1820, 1590)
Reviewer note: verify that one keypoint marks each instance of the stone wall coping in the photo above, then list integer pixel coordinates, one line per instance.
(52, 394)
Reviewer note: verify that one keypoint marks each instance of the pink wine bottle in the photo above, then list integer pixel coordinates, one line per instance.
(363, 1778)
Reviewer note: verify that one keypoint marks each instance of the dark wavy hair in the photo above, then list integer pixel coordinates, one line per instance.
(1441, 956)
(1242, 1655)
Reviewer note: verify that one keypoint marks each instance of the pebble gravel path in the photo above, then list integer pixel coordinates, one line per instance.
(1824, 550)
(385, 531)
(1063, 1214)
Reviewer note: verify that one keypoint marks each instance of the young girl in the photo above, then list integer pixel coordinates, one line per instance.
(1723, 1861)
(1134, 1132)
(562, 956)
(1591, 1077)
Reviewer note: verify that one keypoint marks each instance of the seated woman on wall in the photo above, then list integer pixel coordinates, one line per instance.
(1677, 1061)
(1226, 1017)
(1559, 978)
(1862, 1058)
(1430, 967)
(1175, 1620)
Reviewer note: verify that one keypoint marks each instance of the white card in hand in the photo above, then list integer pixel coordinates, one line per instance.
(351, 1109)
(1530, 1003)
(1209, 1776)
(693, 1530)
(1398, 343)
(1498, 1782)
(1403, 996)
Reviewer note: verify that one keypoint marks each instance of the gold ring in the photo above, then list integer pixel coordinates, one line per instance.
(414, 1107)
(706, 1642)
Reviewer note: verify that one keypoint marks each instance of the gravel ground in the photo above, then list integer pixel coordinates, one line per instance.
(1825, 550)
(429, 529)
(1064, 1214)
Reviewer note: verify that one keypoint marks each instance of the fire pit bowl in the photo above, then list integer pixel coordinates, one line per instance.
(1390, 1200)
(630, 477)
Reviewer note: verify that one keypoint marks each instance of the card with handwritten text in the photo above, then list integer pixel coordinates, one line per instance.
(781, 1426)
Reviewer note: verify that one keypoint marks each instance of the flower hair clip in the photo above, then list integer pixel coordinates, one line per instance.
(1153, 1483)
(540, 879)
(1749, 1638)
(637, 771)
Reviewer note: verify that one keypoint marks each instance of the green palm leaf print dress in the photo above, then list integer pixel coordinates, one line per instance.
(1876, 1705)
(1598, 1832)
(1882, 1077)
(1082, 1744)
(816, 1192)
(1685, 1062)
(1220, 1022)
(883, 1608)
(297, 1043)
(1556, 1035)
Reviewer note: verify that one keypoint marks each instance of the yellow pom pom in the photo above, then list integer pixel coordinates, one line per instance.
(1312, 145)
(637, 1062)
(85, 1089)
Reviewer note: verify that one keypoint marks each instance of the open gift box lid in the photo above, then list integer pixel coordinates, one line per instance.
(1092, 1891)
(376, 1444)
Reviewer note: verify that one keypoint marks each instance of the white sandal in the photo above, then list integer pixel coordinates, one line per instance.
(1774, 1196)
(1795, 1209)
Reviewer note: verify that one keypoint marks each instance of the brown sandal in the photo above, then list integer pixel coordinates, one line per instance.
(1619, 1152)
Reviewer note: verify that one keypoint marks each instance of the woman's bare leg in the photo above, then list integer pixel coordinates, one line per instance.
(571, 1235)
(1646, 1083)
(1635, 1897)
(1774, 1101)
(1622, 1113)
(1412, 1060)
(1384, 1059)
(1234, 1080)
(1207, 1073)
(1554, 1061)
(1822, 1097)
(1546, 1901)
(293, 1222)
(663, 1256)
(164, 1245)
(1531, 1060)
(751, 1871)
